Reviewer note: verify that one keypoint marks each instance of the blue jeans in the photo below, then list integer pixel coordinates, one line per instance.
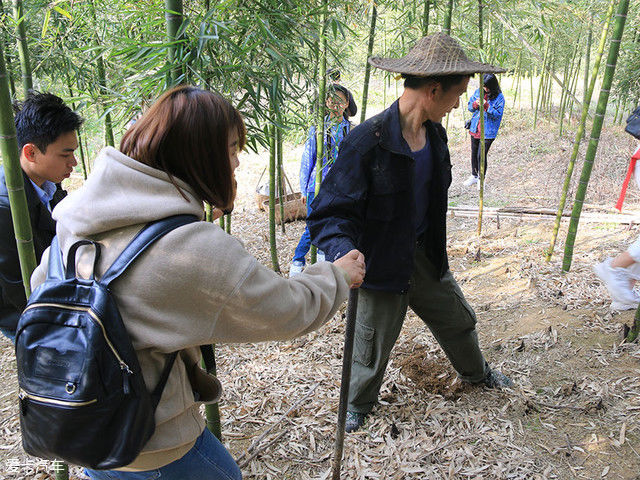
(10, 334)
(207, 460)
(305, 240)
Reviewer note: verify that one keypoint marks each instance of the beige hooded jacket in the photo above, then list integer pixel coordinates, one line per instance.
(195, 286)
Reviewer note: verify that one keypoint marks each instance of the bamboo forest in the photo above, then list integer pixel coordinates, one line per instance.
(528, 252)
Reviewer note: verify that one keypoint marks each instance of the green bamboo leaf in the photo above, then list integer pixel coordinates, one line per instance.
(63, 12)
(45, 23)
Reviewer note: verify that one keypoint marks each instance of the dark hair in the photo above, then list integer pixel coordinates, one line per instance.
(352, 108)
(491, 82)
(42, 118)
(185, 133)
(446, 81)
(334, 74)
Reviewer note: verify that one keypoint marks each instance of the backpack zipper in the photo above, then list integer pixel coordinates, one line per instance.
(23, 394)
(95, 319)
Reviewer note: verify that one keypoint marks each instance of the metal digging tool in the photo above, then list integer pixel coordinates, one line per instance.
(352, 308)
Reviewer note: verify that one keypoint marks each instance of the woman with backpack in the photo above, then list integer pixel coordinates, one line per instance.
(194, 286)
(493, 110)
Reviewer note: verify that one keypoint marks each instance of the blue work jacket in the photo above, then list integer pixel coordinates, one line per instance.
(492, 116)
(367, 202)
(335, 134)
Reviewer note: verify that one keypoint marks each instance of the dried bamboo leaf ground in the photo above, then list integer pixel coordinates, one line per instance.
(573, 414)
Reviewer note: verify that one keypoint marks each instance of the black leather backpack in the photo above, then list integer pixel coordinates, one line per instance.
(633, 123)
(82, 395)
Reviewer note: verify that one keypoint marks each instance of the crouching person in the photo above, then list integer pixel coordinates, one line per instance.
(196, 285)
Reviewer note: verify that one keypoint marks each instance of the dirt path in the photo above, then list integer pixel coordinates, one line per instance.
(573, 414)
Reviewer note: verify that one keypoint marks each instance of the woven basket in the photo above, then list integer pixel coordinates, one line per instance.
(260, 201)
(294, 208)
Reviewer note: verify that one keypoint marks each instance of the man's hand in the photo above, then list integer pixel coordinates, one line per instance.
(353, 264)
(304, 200)
(475, 105)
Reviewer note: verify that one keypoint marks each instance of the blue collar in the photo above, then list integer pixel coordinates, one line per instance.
(46, 192)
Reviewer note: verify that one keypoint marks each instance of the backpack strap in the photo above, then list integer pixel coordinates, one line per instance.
(55, 269)
(209, 358)
(147, 236)
(162, 382)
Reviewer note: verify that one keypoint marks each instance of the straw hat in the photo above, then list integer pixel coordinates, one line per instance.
(433, 55)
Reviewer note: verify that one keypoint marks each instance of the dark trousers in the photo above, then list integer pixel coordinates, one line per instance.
(439, 303)
(475, 155)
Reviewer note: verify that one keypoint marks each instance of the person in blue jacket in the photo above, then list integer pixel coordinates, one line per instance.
(493, 110)
(341, 106)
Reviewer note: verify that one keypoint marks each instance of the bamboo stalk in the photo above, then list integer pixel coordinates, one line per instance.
(425, 18)
(518, 82)
(23, 49)
(78, 132)
(482, 155)
(102, 81)
(320, 112)
(601, 109)
(281, 187)
(272, 197)
(517, 34)
(15, 181)
(581, 129)
(542, 83)
(17, 199)
(367, 66)
(446, 27)
(173, 16)
(7, 58)
(212, 410)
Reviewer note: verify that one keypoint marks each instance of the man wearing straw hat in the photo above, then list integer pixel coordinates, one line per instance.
(386, 196)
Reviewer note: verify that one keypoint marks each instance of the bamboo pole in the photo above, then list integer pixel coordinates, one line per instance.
(212, 410)
(367, 66)
(580, 131)
(601, 109)
(482, 155)
(425, 18)
(271, 129)
(23, 49)
(173, 16)
(102, 80)
(7, 58)
(446, 27)
(14, 180)
(281, 186)
(517, 34)
(73, 105)
(18, 200)
(518, 80)
(542, 84)
(320, 112)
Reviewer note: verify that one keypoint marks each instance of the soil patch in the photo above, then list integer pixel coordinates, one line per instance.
(433, 375)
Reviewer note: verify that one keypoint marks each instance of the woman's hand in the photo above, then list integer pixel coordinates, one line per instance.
(216, 213)
(353, 264)
(475, 105)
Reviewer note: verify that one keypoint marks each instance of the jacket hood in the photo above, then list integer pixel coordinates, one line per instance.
(122, 192)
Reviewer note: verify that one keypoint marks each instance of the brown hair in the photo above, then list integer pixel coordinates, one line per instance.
(185, 133)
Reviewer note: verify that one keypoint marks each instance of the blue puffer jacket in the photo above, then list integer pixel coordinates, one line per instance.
(492, 116)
